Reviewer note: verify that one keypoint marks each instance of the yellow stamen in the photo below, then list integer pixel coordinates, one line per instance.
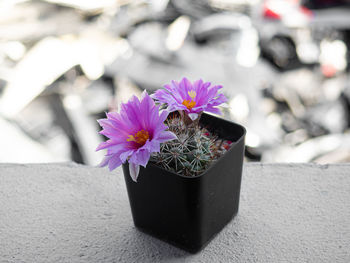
(189, 104)
(140, 137)
(131, 138)
(192, 94)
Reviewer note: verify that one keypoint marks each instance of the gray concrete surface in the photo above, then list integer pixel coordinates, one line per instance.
(75, 213)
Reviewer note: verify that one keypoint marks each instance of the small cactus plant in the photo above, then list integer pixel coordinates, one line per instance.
(137, 133)
(192, 152)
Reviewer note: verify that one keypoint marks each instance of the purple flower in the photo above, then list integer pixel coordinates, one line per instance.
(133, 134)
(192, 98)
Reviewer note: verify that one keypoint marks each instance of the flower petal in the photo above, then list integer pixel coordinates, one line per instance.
(134, 170)
(102, 145)
(105, 161)
(152, 146)
(163, 115)
(193, 116)
(213, 110)
(140, 157)
(166, 136)
(125, 155)
(114, 162)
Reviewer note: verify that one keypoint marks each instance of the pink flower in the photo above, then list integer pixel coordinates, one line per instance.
(192, 98)
(134, 134)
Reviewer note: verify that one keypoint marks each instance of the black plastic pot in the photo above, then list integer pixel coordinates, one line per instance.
(189, 211)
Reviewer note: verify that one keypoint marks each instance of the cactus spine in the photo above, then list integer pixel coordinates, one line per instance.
(192, 152)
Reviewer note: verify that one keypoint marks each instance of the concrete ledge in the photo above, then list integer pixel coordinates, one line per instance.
(75, 213)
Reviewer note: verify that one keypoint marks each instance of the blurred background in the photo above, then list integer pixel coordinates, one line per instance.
(284, 66)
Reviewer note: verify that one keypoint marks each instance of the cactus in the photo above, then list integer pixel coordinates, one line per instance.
(192, 152)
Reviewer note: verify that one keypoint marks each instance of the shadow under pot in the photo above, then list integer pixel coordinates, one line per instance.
(188, 212)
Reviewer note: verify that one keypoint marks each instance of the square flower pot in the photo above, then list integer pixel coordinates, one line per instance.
(188, 212)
